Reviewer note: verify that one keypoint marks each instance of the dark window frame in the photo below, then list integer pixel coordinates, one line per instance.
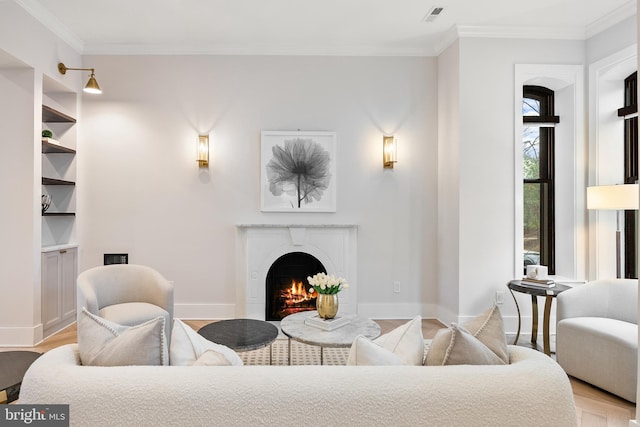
(630, 171)
(546, 177)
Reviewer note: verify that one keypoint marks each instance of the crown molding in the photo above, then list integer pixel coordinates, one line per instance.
(257, 50)
(626, 11)
(522, 32)
(502, 32)
(540, 32)
(446, 38)
(52, 23)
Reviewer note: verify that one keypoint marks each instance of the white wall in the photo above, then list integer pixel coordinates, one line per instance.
(449, 183)
(24, 38)
(486, 145)
(612, 40)
(142, 192)
(20, 236)
(487, 180)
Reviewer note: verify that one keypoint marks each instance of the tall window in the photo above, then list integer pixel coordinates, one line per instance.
(629, 112)
(538, 172)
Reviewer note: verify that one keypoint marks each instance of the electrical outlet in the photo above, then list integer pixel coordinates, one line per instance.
(396, 287)
(499, 297)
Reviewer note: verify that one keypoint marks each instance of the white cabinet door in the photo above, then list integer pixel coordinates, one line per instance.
(51, 315)
(69, 261)
(59, 272)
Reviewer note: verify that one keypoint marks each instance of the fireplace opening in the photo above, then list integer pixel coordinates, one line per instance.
(287, 288)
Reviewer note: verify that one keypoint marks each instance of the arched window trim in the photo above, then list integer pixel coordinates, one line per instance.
(568, 83)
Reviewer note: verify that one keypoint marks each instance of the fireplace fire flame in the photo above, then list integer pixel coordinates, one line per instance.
(296, 294)
(291, 296)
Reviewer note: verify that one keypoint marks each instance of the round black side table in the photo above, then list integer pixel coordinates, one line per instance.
(241, 334)
(13, 365)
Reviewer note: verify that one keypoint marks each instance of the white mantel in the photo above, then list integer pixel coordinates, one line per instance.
(260, 245)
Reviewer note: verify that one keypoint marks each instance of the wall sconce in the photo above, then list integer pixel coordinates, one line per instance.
(389, 151)
(202, 154)
(91, 86)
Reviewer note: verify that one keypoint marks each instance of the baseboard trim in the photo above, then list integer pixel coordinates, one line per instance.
(20, 336)
(398, 311)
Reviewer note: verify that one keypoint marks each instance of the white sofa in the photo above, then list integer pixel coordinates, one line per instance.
(531, 391)
(597, 334)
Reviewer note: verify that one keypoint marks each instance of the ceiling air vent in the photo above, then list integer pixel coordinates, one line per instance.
(433, 14)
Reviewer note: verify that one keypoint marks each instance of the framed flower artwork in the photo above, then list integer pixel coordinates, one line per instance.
(298, 171)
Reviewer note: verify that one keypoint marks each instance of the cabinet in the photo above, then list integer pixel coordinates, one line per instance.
(59, 272)
(58, 178)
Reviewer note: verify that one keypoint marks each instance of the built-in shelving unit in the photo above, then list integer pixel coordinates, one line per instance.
(58, 169)
(59, 261)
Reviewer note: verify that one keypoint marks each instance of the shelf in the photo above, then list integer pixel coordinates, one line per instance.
(50, 148)
(59, 214)
(57, 248)
(50, 115)
(53, 181)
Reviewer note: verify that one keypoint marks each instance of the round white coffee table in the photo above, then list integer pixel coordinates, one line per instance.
(294, 327)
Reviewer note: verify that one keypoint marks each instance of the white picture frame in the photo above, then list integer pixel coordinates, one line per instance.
(311, 188)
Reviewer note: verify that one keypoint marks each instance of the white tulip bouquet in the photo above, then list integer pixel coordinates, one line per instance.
(323, 284)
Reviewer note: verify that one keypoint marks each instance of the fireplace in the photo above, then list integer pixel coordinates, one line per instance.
(260, 246)
(287, 288)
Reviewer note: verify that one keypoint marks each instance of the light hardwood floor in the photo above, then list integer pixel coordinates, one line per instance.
(595, 407)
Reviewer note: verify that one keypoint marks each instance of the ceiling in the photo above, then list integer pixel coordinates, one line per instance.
(313, 27)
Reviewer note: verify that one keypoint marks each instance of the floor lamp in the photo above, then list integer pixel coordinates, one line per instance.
(617, 198)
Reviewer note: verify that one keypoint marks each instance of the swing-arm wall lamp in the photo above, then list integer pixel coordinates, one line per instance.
(91, 86)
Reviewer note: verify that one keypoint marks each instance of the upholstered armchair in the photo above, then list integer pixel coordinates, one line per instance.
(127, 294)
(597, 334)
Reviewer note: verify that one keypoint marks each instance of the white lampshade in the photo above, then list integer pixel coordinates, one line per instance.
(613, 197)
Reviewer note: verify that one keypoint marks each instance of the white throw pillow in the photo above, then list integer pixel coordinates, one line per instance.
(211, 358)
(364, 352)
(405, 341)
(105, 343)
(190, 348)
(402, 346)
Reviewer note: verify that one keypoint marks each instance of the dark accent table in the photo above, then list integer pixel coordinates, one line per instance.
(241, 334)
(549, 293)
(13, 365)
